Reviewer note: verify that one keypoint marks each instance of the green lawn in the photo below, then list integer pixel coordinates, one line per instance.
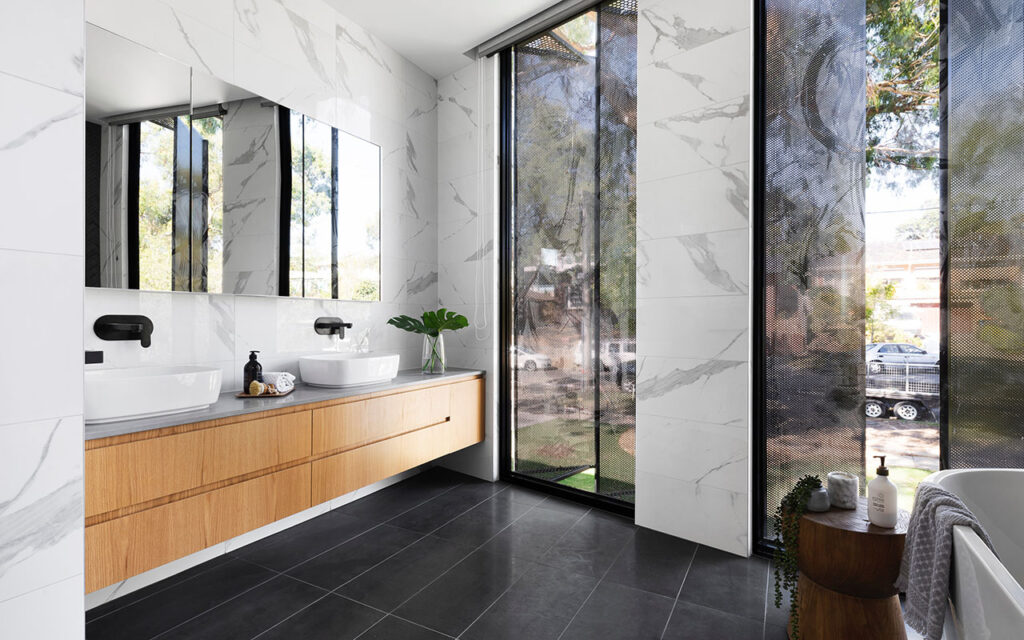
(550, 449)
(906, 480)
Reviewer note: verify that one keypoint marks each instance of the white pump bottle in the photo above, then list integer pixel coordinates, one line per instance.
(882, 497)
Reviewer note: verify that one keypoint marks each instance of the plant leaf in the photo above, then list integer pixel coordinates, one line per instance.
(432, 323)
(406, 323)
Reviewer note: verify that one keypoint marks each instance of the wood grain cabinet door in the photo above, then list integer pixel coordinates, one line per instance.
(359, 423)
(123, 547)
(126, 474)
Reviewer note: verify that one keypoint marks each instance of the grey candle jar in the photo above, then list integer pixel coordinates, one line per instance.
(818, 501)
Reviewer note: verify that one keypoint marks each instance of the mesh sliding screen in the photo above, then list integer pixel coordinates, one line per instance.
(814, 299)
(985, 233)
(574, 264)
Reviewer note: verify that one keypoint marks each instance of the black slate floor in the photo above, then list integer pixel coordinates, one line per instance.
(442, 556)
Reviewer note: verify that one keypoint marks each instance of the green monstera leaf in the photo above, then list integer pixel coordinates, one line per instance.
(432, 322)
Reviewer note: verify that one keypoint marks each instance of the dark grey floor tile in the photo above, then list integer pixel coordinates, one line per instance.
(524, 495)
(445, 507)
(775, 632)
(303, 541)
(566, 506)
(141, 594)
(483, 522)
(178, 603)
(398, 498)
(392, 582)
(727, 582)
(334, 568)
(532, 535)
(331, 618)
(591, 545)
(538, 606)
(778, 616)
(244, 617)
(616, 612)
(452, 602)
(392, 628)
(654, 562)
(694, 622)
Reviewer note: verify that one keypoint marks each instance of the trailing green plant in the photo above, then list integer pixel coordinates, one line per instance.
(432, 323)
(786, 521)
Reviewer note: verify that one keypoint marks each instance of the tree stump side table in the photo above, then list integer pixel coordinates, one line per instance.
(847, 570)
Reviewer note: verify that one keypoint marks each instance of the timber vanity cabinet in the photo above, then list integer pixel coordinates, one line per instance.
(153, 496)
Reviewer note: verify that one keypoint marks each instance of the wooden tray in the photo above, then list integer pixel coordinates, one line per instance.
(264, 395)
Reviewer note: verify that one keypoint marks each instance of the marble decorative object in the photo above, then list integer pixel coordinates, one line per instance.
(843, 489)
(819, 501)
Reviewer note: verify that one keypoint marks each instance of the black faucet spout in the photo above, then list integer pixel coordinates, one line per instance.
(121, 327)
(330, 326)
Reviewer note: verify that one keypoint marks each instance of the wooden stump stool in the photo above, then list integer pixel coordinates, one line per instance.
(847, 570)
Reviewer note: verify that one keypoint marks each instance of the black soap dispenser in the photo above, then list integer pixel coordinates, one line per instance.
(252, 370)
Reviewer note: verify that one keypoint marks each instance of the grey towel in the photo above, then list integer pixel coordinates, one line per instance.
(924, 572)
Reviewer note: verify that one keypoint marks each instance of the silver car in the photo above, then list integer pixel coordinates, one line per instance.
(896, 353)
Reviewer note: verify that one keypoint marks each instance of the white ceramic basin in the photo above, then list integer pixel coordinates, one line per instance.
(348, 369)
(137, 392)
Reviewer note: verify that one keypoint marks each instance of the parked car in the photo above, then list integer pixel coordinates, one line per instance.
(895, 353)
(613, 353)
(531, 360)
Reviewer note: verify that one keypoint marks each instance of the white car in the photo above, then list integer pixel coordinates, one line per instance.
(531, 360)
(896, 353)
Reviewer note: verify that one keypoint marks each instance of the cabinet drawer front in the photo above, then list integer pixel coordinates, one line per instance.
(123, 547)
(135, 472)
(345, 472)
(358, 423)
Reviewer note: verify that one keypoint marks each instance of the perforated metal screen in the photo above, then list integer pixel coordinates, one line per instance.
(985, 234)
(813, 242)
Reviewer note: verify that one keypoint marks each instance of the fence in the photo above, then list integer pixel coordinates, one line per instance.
(914, 379)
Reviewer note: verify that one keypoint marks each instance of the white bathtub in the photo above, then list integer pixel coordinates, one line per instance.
(987, 600)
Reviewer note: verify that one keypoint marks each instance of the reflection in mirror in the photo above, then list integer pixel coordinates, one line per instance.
(184, 181)
(334, 223)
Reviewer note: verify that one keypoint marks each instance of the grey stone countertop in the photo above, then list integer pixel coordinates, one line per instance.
(227, 405)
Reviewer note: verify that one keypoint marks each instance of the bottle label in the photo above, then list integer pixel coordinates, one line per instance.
(878, 503)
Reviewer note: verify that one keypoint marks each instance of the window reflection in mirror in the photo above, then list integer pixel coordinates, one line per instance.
(194, 184)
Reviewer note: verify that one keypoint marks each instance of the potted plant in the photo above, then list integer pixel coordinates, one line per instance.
(786, 522)
(431, 325)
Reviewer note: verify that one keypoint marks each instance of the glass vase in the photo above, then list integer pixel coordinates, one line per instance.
(434, 361)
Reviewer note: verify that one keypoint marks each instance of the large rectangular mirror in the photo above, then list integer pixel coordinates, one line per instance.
(193, 184)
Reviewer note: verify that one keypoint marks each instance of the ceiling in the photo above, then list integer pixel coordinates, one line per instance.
(434, 35)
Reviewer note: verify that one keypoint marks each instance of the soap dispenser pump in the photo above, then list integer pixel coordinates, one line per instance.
(882, 508)
(252, 370)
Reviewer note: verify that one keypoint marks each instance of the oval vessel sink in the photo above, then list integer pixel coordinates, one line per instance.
(138, 392)
(348, 369)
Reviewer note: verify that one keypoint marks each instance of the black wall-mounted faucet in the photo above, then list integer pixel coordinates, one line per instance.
(329, 326)
(124, 328)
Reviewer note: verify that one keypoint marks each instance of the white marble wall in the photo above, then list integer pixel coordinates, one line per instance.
(693, 304)
(306, 56)
(467, 241)
(41, 259)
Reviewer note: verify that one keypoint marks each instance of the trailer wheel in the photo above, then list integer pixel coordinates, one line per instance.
(907, 410)
(874, 409)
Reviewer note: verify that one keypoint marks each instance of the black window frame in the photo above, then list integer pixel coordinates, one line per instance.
(507, 348)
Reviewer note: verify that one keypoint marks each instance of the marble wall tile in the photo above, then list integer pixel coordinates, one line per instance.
(668, 324)
(707, 455)
(43, 613)
(713, 136)
(670, 27)
(712, 200)
(696, 78)
(703, 264)
(712, 516)
(41, 504)
(43, 347)
(36, 145)
(713, 391)
(52, 56)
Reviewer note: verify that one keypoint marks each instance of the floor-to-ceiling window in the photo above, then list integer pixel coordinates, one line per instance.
(889, 236)
(571, 259)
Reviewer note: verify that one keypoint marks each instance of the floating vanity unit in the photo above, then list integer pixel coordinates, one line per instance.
(161, 488)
